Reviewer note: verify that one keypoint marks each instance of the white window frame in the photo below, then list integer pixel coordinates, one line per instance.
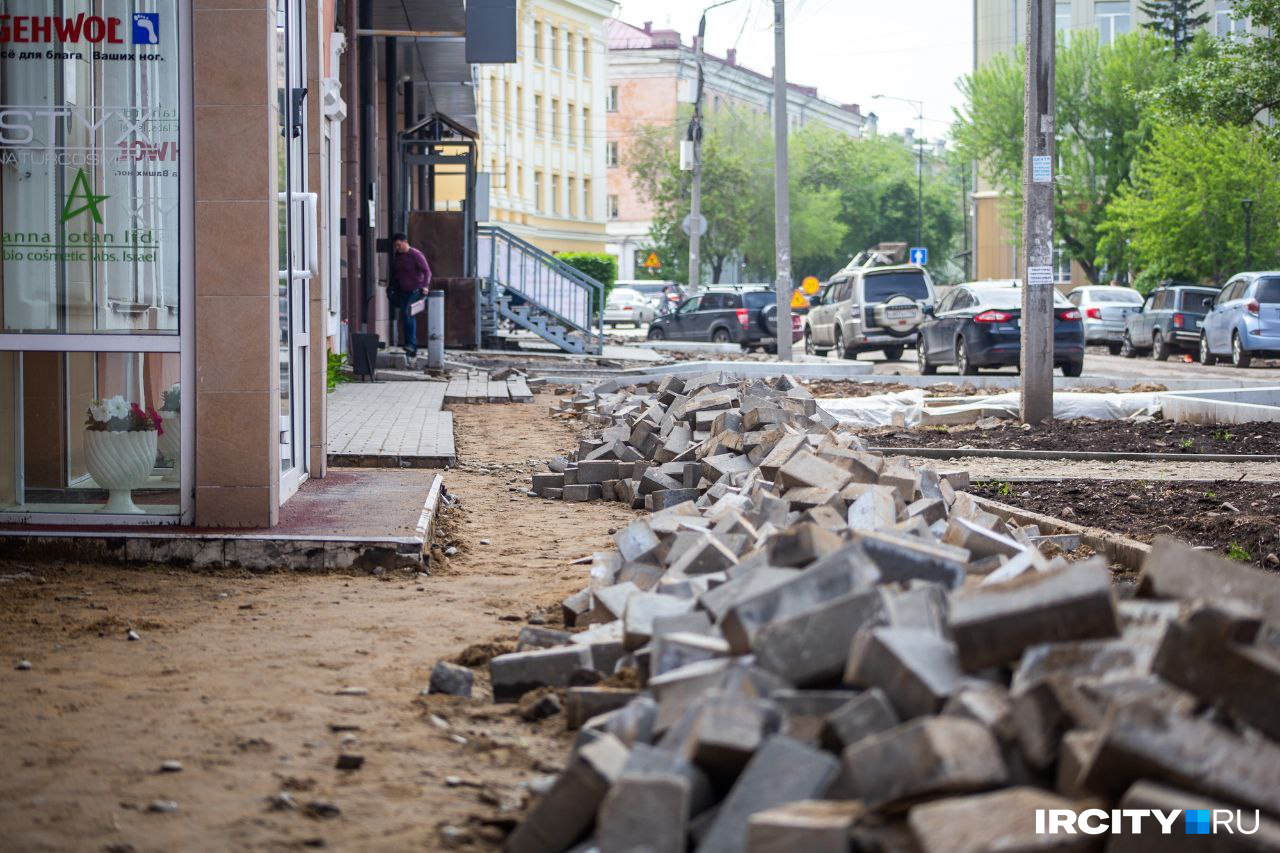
(1107, 22)
(611, 153)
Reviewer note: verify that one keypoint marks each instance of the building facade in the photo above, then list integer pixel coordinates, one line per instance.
(542, 127)
(999, 27)
(651, 73)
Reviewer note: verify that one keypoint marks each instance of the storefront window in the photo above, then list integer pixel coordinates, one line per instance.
(89, 167)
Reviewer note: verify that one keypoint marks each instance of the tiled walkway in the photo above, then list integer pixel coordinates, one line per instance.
(390, 424)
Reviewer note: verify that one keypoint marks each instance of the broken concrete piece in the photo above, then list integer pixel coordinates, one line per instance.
(515, 674)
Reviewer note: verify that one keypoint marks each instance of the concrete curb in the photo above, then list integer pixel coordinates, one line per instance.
(426, 528)
(1129, 553)
(1081, 455)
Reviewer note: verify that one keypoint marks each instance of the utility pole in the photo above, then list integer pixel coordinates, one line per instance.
(781, 185)
(1037, 214)
(695, 203)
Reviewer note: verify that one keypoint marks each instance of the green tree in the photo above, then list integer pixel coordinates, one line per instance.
(1181, 214)
(1176, 20)
(1102, 121)
(1233, 80)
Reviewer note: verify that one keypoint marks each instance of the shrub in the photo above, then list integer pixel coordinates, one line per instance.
(600, 266)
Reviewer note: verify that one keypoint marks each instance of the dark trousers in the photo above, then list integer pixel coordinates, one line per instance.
(408, 321)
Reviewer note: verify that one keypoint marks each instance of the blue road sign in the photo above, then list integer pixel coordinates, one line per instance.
(919, 256)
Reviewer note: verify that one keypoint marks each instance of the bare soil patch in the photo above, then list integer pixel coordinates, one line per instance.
(1235, 519)
(1085, 434)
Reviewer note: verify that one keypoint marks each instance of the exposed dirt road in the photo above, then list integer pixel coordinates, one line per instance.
(236, 676)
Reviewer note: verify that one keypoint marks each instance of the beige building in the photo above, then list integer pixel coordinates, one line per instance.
(999, 27)
(542, 127)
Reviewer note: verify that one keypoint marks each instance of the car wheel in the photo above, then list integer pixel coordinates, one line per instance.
(840, 347)
(922, 360)
(1159, 349)
(1240, 356)
(808, 342)
(1126, 347)
(1073, 368)
(966, 367)
(720, 336)
(893, 353)
(1115, 349)
(656, 333)
(1207, 358)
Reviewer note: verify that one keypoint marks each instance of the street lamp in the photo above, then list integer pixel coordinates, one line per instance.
(919, 105)
(1247, 204)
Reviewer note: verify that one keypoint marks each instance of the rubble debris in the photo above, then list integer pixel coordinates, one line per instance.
(451, 679)
(824, 649)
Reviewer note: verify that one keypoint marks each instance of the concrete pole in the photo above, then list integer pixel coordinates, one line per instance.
(695, 202)
(1037, 215)
(781, 182)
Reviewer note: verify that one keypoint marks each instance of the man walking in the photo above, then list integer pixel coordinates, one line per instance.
(413, 277)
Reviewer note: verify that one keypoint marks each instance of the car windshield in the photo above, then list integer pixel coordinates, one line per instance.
(624, 294)
(1269, 290)
(756, 299)
(1010, 298)
(1193, 300)
(1118, 294)
(882, 286)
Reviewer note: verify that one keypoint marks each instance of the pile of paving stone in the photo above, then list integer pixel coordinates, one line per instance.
(826, 651)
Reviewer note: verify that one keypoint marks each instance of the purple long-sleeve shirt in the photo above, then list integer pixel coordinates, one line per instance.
(412, 271)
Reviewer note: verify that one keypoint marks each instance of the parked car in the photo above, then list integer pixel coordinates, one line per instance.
(1104, 310)
(869, 308)
(725, 315)
(655, 290)
(979, 325)
(1168, 321)
(626, 305)
(1243, 320)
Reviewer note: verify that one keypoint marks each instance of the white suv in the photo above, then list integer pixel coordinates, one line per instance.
(869, 308)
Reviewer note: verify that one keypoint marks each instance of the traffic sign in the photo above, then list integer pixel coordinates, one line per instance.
(919, 256)
(810, 285)
(652, 262)
(687, 225)
(798, 300)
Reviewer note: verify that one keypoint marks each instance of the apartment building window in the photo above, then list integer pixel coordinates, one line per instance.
(586, 57)
(586, 125)
(555, 118)
(537, 191)
(537, 114)
(611, 205)
(537, 40)
(1061, 265)
(611, 154)
(570, 55)
(611, 100)
(586, 198)
(554, 42)
(555, 194)
(1225, 23)
(1113, 19)
(1062, 19)
(573, 198)
(519, 190)
(570, 126)
(519, 110)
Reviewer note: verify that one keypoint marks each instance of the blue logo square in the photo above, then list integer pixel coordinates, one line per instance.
(1197, 821)
(146, 27)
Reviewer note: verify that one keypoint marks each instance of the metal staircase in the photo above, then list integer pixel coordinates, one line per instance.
(536, 291)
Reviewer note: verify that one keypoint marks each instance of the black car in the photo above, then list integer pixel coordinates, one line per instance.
(724, 315)
(979, 325)
(1169, 321)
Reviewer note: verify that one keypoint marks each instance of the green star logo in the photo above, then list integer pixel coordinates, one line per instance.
(82, 191)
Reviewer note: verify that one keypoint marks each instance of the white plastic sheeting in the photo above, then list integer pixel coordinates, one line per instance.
(906, 408)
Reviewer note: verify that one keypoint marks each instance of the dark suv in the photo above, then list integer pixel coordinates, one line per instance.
(725, 315)
(1169, 321)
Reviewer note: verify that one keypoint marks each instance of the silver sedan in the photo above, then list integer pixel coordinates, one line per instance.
(625, 305)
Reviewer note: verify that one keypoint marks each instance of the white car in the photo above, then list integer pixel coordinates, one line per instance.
(625, 305)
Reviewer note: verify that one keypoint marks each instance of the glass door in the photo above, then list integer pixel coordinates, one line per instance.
(297, 243)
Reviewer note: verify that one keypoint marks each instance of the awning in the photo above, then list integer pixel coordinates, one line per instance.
(431, 51)
(420, 18)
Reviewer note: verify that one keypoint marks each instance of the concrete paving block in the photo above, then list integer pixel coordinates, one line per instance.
(547, 481)
(696, 622)
(923, 606)
(801, 498)
(656, 481)
(801, 544)
(717, 600)
(805, 711)
(1084, 660)
(715, 467)
(827, 516)
(924, 757)
(637, 618)
(1143, 741)
(607, 450)
(632, 723)
(728, 731)
(575, 609)
(597, 471)
(905, 481)
(930, 510)
(782, 771)
(916, 669)
(764, 417)
(785, 448)
(864, 714)
(811, 826)
(515, 674)
(648, 812)
(800, 592)
(583, 703)
(535, 637)
(984, 702)
(905, 558)
(1214, 653)
(1073, 755)
(1175, 570)
(979, 541)
(611, 601)
(637, 541)
(1263, 837)
(583, 492)
(671, 651)
(668, 498)
(1001, 820)
(811, 647)
(564, 815)
(553, 494)
(644, 575)
(805, 468)
(709, 554)
(993, 625)
(451, 679)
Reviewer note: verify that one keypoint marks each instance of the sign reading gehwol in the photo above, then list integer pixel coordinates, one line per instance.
(1099, 821)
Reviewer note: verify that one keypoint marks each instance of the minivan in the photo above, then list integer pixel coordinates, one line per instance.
(1243, 321)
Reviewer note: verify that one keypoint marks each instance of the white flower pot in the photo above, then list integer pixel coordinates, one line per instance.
(120, 462)
(170, 443)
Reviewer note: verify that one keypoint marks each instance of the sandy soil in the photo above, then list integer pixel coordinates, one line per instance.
(237, 677)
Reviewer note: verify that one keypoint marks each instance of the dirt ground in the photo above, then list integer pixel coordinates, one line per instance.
(237, 676)
(1235, 519)
(1157, 436)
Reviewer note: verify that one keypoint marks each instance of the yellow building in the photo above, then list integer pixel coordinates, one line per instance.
(542, 127)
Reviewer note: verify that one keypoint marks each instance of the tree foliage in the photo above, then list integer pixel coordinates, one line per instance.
(1103, 119)
(1182, 213)
(601, 266)
(1176, 20)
